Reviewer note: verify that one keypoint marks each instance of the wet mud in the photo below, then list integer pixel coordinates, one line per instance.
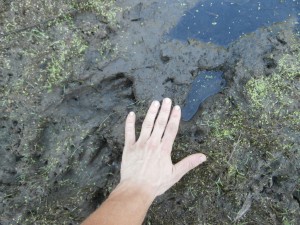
(61, 150)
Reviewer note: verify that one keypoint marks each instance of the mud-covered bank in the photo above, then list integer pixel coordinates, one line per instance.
(67, 85)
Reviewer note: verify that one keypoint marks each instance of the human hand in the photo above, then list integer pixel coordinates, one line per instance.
(146, 163)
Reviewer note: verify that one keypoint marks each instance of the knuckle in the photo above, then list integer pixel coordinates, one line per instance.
(165, 110)
(166, 146)
(177, 178)
(130, 122)
(126, 149)
(147, 125)
(152, 144)
(172, 127)
(139, 144)
(190, 164)
(162, 122)
(153, 111)
(129, 126)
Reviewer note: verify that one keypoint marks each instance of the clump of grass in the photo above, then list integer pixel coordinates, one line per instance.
(105, 8)
(35, 13)
(274, 98)
(272, 103)
(59, 68)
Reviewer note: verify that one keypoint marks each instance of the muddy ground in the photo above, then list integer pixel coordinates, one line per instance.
(70, 71)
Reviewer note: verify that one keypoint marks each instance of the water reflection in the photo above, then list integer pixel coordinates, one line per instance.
(224, 21)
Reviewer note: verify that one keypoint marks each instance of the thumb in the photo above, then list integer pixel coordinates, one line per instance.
(187, 164)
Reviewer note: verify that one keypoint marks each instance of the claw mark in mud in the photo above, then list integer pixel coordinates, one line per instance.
(71, 168)
(81, 113)
(296, 196)
(68, 150)
(10, 138)
(95, 153)
(169, 80)
(110, 95)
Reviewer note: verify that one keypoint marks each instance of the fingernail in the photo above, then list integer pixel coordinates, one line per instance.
(167, 100)
(131, 114)
(177, 107)
(155, 103)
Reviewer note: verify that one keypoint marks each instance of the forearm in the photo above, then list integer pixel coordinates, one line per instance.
(127, 204)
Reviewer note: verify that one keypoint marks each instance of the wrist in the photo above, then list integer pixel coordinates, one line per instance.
(144, 193)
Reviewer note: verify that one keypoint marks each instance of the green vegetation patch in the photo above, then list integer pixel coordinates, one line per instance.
(43, 46)
(248, 143)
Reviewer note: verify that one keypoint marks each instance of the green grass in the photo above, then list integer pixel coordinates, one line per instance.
(241, 136)
(47, 35)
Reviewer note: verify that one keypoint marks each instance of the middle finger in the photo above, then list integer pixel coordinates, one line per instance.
(162, 120)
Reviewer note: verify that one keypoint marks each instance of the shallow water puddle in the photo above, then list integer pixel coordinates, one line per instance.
(222, 22)
(206, 84)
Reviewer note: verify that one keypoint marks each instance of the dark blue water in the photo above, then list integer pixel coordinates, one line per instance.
(206, 84)
(222, 22)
